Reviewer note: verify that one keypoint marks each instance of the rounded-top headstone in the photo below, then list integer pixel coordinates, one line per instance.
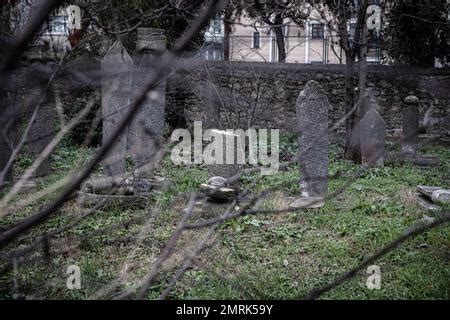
(411, 99)
(217, 181)
(151, 39)
(372, 133)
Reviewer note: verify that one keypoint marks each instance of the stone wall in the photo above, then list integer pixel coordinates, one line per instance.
(270, 90)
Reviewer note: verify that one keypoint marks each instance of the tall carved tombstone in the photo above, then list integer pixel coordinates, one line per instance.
(35, 98)
(410, 125)
(372, 132)
(8, 120)
(5, 149)
(116, 93)
(146, 129)
(42, 130)
(312, 120)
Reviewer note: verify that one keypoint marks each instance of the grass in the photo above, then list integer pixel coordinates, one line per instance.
(271, 256)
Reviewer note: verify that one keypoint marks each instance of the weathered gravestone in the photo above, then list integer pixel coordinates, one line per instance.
(312, 120)
(33, 99)
(6, 118)
(116, 92)
(372, 134)
(410, 125)
(410, 140)
(42, 130)
(226, 146)
(146, 129)
(225, 153)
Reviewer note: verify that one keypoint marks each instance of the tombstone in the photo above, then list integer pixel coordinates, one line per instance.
(216, 188)
(213, 120)
(42, 130)
(5, 149)
(146, 129)
(224, 169)
(410, 125)
(31, 94)
(436, 194)
(312, 126)
(41, 134)
(116, 91)
(372, 133)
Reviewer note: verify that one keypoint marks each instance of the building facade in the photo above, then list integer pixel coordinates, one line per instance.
(311, 43)
(60, 32)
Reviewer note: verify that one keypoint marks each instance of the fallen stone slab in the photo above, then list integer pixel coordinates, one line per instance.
(28, 186)
(118, 185)
(207, 208)
(444, 141)
(436, 194)
(419, 160)
(89, 200)
(427, 191)
(218, 193)
(424, 202)
(441, 196)
(308, 203)
(107, 186)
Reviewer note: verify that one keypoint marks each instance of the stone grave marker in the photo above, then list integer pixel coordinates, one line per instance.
(147, 127)
(372, 133)
(410, 125)
(312, 121)
(116, 93)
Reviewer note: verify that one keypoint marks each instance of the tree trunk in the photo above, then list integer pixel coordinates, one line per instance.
(351, 149)
(278, 29)
(362, 69)
(352, 142)
(353, 152)
(350, 152)
(226, 38)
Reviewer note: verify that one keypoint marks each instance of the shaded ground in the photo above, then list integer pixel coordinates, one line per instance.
(277, 256)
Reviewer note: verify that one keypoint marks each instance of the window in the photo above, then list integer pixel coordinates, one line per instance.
(58, 25)
(285, 30)
(352, 32)
(217, 25)
(256, 40)
(317, 30)
(213, 54)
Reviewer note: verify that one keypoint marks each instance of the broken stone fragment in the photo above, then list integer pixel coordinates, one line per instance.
(418, 160)
(217, 193)
(427, 191)
(118, 185)
(412, 99)
(28, 186)
(107, 186)
(441, 196)
(424, 202)
(217, 181)
(89, 200)
(436, 195)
